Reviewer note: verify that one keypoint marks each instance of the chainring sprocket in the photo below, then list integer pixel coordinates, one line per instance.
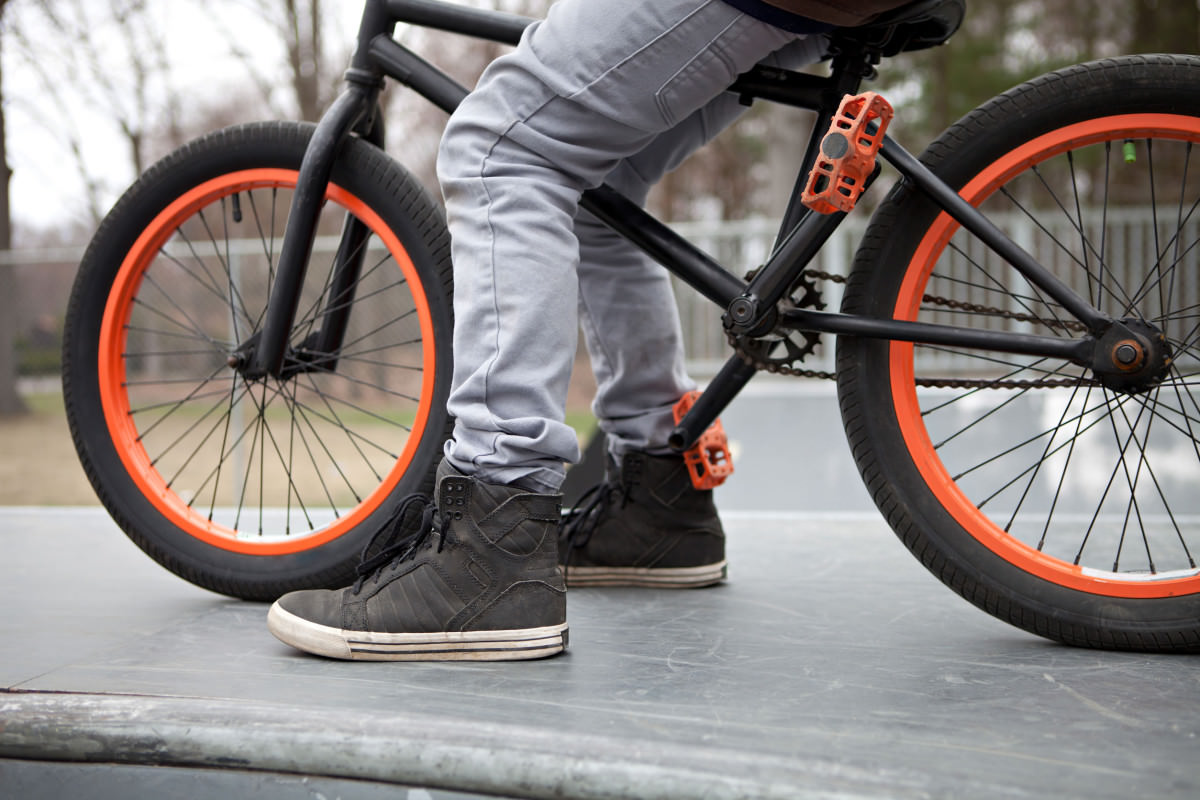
(783, 351)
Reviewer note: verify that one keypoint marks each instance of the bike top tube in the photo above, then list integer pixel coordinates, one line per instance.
(480, 23)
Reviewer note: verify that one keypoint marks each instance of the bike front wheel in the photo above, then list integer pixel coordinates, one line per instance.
(255, 486)
(1054, 499)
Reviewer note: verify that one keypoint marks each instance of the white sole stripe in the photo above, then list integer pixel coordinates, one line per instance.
(646, 576)
(312, 637)
(448, 647)
(398, 650)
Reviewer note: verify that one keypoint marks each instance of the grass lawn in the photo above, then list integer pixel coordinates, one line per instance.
(38, 464)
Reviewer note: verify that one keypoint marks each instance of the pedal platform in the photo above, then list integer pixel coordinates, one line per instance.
(708, 461)
(848, 152)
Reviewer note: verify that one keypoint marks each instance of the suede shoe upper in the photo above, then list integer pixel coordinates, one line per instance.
(484, 558)
(648, 515)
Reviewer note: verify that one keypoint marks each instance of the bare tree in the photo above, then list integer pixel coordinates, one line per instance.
(312, 77)
(120, 72)
(10, 399)
(108, 59)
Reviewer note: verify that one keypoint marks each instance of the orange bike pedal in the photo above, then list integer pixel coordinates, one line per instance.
(848, 151)
(708, 460)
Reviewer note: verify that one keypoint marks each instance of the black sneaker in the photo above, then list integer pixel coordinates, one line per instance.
(480, 581)
(647, 526)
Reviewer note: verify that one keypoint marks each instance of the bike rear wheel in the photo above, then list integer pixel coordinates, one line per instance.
(255, 486)
(1055, 501)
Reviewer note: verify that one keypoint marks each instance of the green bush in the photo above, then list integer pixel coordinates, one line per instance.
(39, 354)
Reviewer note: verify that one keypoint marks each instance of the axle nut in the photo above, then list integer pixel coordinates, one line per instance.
(1128, 354)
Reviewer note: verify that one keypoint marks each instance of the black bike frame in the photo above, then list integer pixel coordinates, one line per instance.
(751, 308)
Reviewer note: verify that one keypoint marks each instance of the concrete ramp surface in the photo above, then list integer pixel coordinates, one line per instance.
(829, 665)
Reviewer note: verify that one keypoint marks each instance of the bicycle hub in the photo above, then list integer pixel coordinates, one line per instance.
(1132, 356)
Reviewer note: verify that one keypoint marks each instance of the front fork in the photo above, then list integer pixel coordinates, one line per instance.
(268, 352)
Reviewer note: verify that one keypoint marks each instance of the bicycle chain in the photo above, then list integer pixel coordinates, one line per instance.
(812, 297)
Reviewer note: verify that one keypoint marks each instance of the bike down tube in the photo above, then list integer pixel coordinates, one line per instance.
(686, 261)
(969, 217)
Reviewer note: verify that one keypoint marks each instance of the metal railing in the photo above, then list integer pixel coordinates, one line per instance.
(743, 245)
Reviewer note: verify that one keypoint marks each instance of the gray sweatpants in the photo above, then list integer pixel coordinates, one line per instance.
(619, 91)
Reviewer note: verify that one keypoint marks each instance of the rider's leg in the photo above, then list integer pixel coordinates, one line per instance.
(627, 307)
(592, 85)
(647, 525)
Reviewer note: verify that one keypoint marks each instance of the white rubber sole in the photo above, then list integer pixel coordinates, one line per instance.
(648, 577)
(322, 640)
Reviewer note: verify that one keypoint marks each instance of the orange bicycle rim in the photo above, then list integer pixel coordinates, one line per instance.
(111, 367)
(901, 369)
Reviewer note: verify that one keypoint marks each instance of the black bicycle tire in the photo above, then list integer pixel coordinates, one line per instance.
(1148, 84)
(408, 211)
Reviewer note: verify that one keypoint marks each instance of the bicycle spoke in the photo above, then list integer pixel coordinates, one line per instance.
(1077, 222)
(1179, 222)
(257, 439)
(191, 396)
(215, 287)
(1004, 291)
(1144, 462)
(1083, 242)
(351, 435)
(1101, 286)
(1042, 460)
(192, 324)
(236, 303)
(308, 320)
(333, 461)
(1062, 477)
(1120, 459)
(1020, 445)
(1057, 323)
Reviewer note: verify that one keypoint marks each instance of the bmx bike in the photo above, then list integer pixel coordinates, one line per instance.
(258, 343)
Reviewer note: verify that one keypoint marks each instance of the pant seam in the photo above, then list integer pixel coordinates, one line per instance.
(647, 46)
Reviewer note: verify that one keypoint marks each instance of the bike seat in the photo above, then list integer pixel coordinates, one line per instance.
(915, 26)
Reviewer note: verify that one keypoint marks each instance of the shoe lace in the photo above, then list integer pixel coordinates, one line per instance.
(396, 542)
(578, 524)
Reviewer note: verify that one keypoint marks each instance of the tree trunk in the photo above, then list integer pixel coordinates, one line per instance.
(10, 400)
(303, 37)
